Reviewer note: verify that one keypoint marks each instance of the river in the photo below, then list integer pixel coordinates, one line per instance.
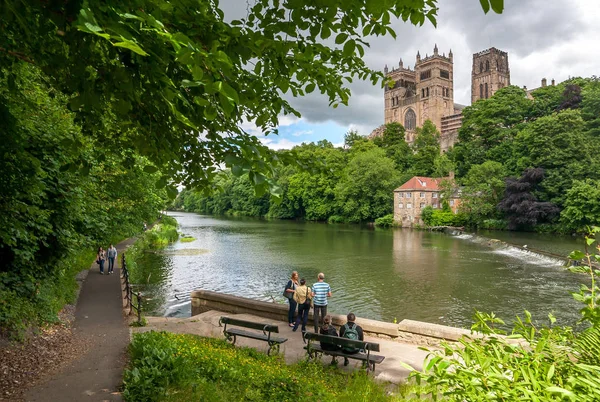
(383, 274)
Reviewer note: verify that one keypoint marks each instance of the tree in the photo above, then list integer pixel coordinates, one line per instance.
(483, 189)
(174, 80)
(426, 149)
(394, 143)
(351, 137)
(365, 191)
(520, 206)
(557, 144)
(582, 205)
(590, 107)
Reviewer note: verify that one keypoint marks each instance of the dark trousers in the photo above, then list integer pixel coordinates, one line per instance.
(111, 264)
(101, 265)
(322, 310)
(303, 310)
(292, 310)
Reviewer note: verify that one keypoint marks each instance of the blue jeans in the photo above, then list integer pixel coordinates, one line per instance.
(303, 310)
(111, 264)
(101, 266)
(292, 310)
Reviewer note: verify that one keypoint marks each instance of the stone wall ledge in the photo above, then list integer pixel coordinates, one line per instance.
(422, 332)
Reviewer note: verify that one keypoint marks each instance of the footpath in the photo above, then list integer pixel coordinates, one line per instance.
(97, 373)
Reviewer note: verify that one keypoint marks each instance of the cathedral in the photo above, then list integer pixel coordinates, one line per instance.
(427, 91)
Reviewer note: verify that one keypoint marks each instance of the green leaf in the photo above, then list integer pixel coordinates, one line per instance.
(485, 4)
(134, 47)
(349, 48)
(577, 255)
(172, 192)
(341, 38)
(188, 83)
(497, 6)
(309, 88)
(150, 169)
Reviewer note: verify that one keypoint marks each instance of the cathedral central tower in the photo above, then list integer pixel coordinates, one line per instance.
(490, 73)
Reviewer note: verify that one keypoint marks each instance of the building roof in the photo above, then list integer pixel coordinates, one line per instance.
(421, 184)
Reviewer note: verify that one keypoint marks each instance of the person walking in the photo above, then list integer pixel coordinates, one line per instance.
(320, 292)
(112, 255)
(290, 289)
(302, 297)
(351, 330)
(100, 258)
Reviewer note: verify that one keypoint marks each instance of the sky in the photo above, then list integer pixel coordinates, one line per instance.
(553, 39)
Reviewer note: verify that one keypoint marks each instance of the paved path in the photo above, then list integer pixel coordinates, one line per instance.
(207, 324)
(99, 320)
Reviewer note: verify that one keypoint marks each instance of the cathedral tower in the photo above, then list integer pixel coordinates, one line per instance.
(435, 87)
(490, 73)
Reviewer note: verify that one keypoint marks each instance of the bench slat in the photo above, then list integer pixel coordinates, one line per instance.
(358, 356)
(254, 335)
(343, 342)
(250, 324)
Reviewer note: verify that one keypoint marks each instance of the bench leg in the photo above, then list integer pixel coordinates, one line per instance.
(274, 347)
(230, 338)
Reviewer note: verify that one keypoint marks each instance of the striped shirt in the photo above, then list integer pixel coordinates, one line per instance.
(320, 289)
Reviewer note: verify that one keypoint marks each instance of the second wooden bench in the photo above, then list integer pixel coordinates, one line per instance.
(231, 334)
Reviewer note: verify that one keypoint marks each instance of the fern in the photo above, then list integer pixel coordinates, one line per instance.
(588, 346)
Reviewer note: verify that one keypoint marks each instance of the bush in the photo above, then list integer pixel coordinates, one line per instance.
(385, 221)
(336, 219)
(166, 366)
(493, 224)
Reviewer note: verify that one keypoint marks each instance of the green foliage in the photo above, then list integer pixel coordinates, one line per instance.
(483, 189)
(173, 367)
(385, 221)
(589, 295)
(426, 149)
(582, 205)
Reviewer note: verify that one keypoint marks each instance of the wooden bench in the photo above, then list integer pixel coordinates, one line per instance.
(231, 334)
(313, 348)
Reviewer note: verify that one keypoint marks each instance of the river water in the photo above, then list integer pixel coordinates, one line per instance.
(383, 274)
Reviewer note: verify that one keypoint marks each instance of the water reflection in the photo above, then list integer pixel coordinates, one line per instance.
(380, 274)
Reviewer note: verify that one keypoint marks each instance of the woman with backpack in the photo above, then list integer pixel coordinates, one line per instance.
(288, 292)
(302, 297)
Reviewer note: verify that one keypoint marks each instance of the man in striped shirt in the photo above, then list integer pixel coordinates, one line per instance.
(320, 292)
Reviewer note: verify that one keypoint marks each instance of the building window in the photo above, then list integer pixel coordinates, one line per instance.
(435, 206)
(427, 91)
(422, 205)
(410, 120)
(451, 203)
(400, 195)
(486, 91)
(400, 205)
(481, 67)
(425, 75)
(408, 205)
(422, 195)
(487, 65)
(434, 195)
(407, 195)
(445, 74)
(422, 93)
(480, 91)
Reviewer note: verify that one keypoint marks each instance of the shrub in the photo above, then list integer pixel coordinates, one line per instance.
(336, 219)
(385, 221)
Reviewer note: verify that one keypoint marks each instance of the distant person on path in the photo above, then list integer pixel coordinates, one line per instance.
(112, 255)
(145, 227)
(320, 292)
(288, 292)
(353, 331)
(302, 297)
(100, 258)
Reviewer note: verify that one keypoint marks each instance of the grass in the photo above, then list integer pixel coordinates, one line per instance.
(180, 367)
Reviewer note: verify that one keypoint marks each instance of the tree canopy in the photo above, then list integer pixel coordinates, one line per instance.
(175, 80)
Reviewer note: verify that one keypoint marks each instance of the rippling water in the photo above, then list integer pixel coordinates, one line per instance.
(380, 274)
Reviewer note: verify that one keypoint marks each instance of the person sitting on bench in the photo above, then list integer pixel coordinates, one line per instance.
(328, 329)
(353, 331)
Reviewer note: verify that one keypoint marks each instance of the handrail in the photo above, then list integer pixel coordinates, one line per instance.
(129, 292)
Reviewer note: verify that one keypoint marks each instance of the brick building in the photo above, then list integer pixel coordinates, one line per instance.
(417, 193)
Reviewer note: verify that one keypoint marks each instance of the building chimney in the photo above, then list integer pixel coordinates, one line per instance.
(553, 82)
(544, 82)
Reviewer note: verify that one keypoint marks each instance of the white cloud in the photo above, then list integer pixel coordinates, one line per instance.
(279, 143)
(302, 132)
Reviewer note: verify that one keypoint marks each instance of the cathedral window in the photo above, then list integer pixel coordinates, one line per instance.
(480, 91)
(481, 67)
(427, 91)
(410, 120)
(422, 93)
(426, 74)
(487, 65)
(486, 91)
(444, 74)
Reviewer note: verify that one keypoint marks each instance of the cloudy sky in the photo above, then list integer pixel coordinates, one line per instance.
(544, 38)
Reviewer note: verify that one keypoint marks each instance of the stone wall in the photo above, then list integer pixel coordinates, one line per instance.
(408, 331)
